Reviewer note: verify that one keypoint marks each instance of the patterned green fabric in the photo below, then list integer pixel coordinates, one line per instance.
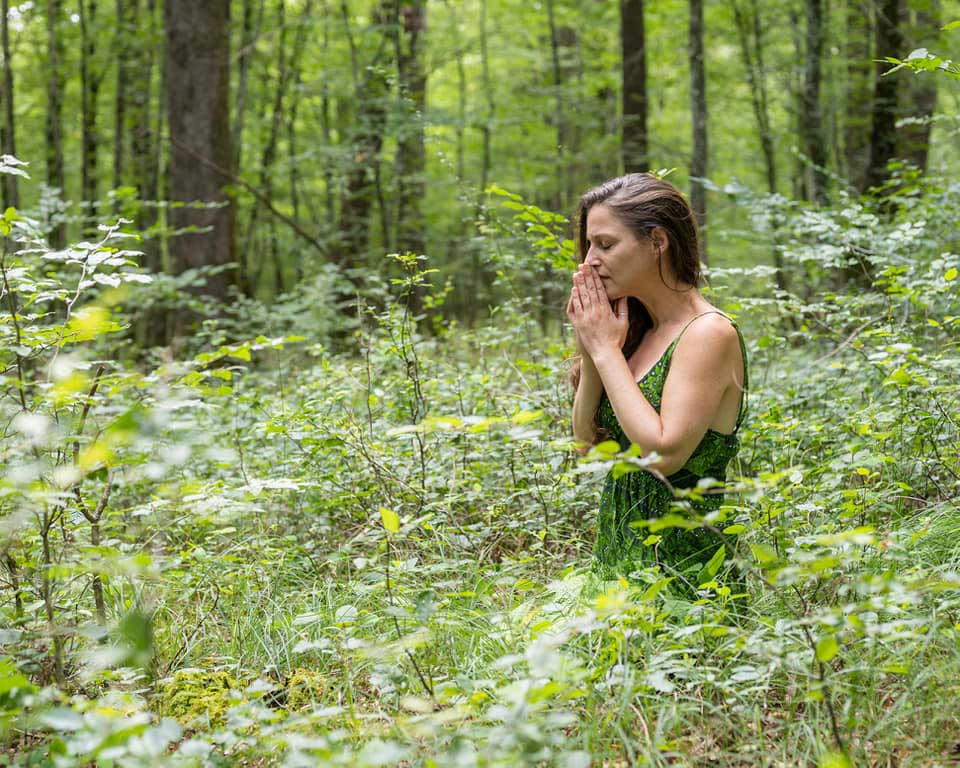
(640, 496)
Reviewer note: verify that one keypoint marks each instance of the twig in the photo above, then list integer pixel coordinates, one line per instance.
(261, 198)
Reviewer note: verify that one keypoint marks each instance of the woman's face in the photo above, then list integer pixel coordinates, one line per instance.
(623, 262)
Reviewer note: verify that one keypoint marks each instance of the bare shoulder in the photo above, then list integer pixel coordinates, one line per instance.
(710, 339)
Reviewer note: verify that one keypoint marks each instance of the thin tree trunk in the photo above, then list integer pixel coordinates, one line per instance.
(198, 54)
(289, 64)
(89, 94)
(8, 136)
(750, 36)
(142, 134)
(248, 35)
(859, 91)
(800, 186)
(814, 138)
(559, 113)
(883, 132)
(54, 131)
(329, 187)
(698, 108)
(368, 123)
(411, 151)
(121, 45)
(633, 46)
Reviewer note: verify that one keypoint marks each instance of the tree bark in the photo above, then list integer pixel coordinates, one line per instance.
(859, 91)
(89, 96)
(883, 132)
(288, 63)
(8, 137)
(250, 31)
(698, 108)
(142, 136)
(411, 153)
(814, 138)
(197, 93)
(920, 21)
(750, 36)
(633, 46)
(54, 129)
(361, 185)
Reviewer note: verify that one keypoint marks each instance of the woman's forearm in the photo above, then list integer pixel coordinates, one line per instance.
(586, 400)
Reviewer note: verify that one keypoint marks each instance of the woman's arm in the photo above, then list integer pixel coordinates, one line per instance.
(588, 394)
(700, 373)
(586, 400)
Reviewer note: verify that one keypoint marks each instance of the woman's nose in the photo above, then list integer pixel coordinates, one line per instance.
(591, 259)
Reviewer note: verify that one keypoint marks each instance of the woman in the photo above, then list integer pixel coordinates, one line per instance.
(660, 367)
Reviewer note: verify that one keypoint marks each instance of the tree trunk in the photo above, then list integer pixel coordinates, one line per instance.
(859, 91)
(8, 142)
(698, 108)
(197, 92)
(920, 21)
(559, 112)
(89, 94)
(250, 31)
(814, 138)
(121, 44)
(634, 144)
(799, 177)
(883, 132)
(411, 153)
(750, 36)
(368, 122)
(54, 130)
(289, 63)
(142, 138)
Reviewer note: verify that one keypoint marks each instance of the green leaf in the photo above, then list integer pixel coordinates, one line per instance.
(733, 530)
(951, 274)
(834, 760)
(827, 647)
(951, 25)
(713, 565)
(390, 520)
(62, 719)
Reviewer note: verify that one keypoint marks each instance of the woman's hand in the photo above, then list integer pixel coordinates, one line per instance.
(598, 326)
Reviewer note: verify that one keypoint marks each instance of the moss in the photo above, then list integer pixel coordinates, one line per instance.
(305, 688)
(196, 694)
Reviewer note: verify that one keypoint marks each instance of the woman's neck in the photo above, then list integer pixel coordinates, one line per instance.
(668, 307)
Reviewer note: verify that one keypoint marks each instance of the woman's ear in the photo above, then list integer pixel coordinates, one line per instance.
(661, 241)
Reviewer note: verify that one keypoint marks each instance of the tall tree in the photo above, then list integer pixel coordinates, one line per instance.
(365, 119)
(633, 47)
(411, 154)
(813, 134)
(90, 80)
(883, 132)
(746, 14)
(698, 108)
(920, 21)
(197, 93)
(8, 138)
(858, 91)
(140, 125)
(288, 63)
(54, 128)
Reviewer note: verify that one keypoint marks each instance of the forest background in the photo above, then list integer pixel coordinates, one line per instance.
(287, 474)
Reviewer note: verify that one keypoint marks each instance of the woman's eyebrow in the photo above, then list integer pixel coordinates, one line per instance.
(595, 235)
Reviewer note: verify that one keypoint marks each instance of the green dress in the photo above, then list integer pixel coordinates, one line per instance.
(639, 496)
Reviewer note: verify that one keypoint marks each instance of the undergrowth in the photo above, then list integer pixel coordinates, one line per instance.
(280, 551)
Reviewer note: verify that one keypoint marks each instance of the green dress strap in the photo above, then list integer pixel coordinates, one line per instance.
(668, 355)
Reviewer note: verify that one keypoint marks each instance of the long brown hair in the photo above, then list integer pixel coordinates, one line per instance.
(642, 202)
